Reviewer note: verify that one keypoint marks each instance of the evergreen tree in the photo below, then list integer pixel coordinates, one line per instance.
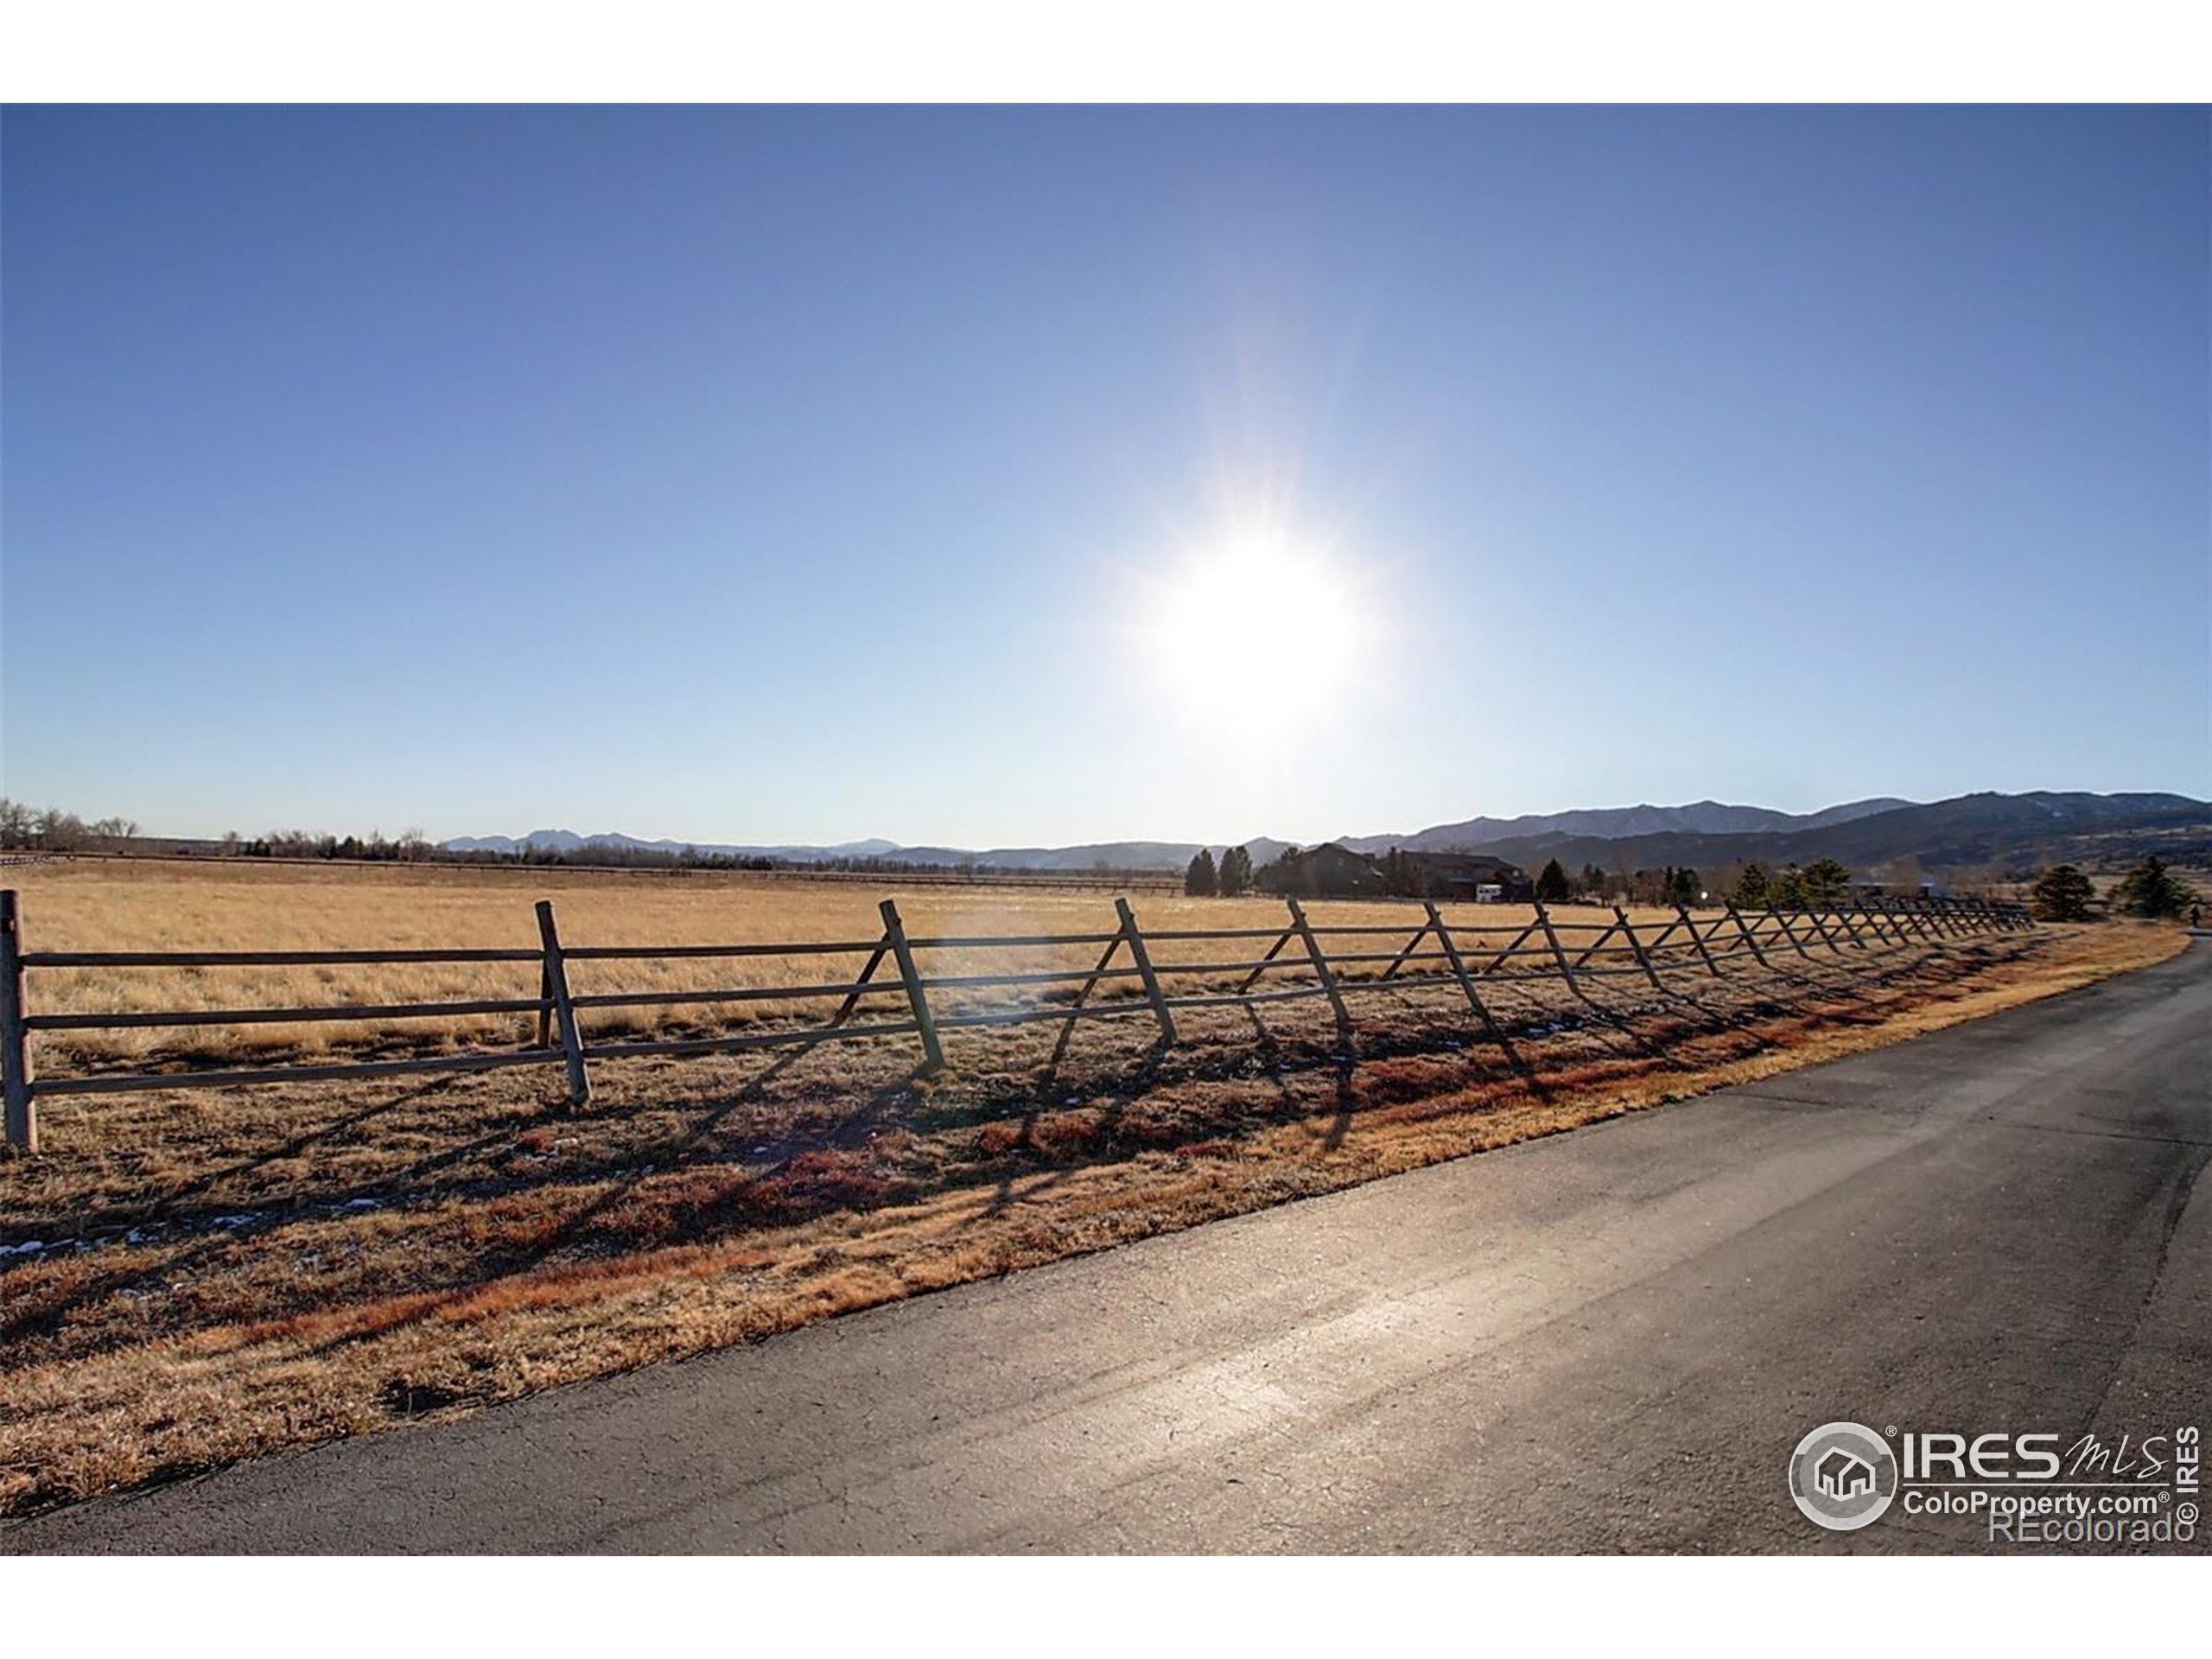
(1593, 881)
(1201, 880)
(1827, 885)
(1786, 890)
(1752, 889)
(2150, 890)
(1551, 884)
(2062, 894)
(1235, 876)
(1683, 887)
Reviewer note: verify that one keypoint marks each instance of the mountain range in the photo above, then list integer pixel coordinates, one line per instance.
(1967, 831)
(1620, 822)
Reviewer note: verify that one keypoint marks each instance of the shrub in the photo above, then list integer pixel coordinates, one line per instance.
(2062, 894)
(2150, 890)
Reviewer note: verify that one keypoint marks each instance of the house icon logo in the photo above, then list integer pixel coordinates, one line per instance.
(1843, 1475)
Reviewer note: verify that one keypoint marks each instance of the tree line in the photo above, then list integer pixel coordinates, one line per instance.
(1204, 879)
(2150, 892)
(51, 830)
(1660, 888)
(2062, 894)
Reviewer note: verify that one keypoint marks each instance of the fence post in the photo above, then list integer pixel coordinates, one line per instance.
(1843, 921)
(1459, 968)
(1512, 945)
(15, 1039)
(565, 1011)
(1790, 933)
(1305, 931)
(1144, 970)
(1749, 938)
(853, 997)
(1274, 951)
(1105, 962)
(1597, 944)
(1636, 946)
(903, 953)
(1812, 920)
(1544, 921)
(1698, 939)
(1411, 944)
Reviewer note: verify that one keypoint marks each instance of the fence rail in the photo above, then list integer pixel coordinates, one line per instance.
(1451, 956)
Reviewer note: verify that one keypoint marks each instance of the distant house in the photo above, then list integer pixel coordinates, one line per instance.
(1472, 875)
(1330, 871)
(1926, 887)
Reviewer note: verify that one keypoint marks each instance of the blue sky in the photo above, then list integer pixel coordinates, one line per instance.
(783, 474)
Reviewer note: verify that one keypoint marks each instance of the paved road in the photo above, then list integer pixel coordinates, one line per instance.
(1610, 1340)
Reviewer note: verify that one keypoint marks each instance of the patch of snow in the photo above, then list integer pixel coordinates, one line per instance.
(29, 1247)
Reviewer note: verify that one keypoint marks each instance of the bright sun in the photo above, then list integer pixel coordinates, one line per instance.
(1258, 623)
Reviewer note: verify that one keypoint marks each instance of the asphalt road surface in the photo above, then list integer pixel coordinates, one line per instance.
(1608, 1340)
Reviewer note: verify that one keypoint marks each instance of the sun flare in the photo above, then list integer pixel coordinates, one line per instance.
(1258, 622)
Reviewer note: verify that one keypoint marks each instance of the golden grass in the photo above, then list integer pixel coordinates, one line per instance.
(226, 1273)
(167, 905)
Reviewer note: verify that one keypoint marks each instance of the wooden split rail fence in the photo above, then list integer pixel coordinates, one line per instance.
(1452, 956)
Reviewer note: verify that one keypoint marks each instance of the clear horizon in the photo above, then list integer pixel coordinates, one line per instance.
(1006, 477)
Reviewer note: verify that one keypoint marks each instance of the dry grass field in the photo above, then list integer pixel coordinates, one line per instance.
(189, 1278)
